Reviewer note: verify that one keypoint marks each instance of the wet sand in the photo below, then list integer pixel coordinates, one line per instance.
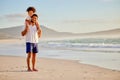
(14, 68)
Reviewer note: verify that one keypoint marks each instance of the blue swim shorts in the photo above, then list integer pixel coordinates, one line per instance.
(31, 47)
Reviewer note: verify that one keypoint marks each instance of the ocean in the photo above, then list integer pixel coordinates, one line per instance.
(88, 44)
(99, 52)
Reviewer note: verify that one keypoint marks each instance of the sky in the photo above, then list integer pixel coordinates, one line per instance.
(76, 16)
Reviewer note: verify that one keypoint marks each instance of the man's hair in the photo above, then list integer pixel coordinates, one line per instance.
(31, 9)
(34, 15)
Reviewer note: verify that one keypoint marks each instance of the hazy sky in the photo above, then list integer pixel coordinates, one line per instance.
(78, 16)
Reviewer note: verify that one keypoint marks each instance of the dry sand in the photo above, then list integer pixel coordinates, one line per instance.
(14, 68)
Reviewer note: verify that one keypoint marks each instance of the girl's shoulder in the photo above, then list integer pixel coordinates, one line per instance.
(28, 18)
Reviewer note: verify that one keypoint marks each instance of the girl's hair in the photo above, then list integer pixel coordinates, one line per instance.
(31, 9)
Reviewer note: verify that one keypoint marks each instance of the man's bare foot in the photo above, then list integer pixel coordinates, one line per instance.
(35, 70)
(29, 70)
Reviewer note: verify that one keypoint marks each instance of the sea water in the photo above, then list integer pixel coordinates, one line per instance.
(100, 52)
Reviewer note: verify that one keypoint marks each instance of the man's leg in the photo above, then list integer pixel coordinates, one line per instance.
(34, 61)
(28, 61)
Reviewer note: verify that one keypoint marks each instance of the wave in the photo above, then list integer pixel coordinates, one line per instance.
(85, 44)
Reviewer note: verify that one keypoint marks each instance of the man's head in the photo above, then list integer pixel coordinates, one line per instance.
(34, 18)
(31, 11)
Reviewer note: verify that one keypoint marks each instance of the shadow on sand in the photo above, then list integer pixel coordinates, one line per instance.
(14, 71)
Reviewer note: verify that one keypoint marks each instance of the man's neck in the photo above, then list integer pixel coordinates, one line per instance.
(33, 23)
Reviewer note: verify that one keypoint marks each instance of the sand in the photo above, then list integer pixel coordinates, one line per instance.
(14, 68)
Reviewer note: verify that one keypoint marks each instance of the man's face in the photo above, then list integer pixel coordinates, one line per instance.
(34, 19)
(30, 13)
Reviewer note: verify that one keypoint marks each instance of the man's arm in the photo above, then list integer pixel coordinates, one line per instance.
(24, 32)
(38, 29)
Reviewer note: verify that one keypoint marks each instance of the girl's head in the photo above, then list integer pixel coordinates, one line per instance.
(31, 11)
(34, 18)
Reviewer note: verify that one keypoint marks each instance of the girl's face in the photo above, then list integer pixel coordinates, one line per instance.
(30, 13)
(34, 19)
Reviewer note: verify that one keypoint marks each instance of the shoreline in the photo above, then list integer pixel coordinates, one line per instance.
(13, 67)
(76, 61)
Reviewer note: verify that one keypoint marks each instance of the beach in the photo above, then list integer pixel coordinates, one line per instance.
(71, 39)
(56, 63)
(14, 68)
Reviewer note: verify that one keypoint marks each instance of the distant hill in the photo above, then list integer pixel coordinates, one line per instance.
(114, 33)
(15, 32)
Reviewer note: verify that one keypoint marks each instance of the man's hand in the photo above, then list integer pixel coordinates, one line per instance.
(24, 32)
(38, 29)
(39, 33)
